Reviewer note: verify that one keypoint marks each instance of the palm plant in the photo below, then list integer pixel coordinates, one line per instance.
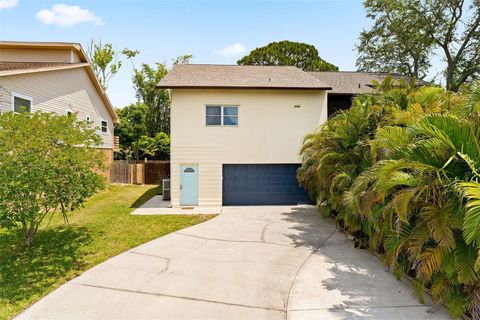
(400, 169)
(419, 185)
(335, 155)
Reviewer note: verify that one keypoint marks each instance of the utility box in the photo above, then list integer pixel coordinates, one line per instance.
(166, 189)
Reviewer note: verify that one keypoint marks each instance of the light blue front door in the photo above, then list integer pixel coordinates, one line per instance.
(189, 185)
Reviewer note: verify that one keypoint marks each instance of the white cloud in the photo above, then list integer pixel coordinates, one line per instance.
(5, 4)
(232, 50)
(67, 16)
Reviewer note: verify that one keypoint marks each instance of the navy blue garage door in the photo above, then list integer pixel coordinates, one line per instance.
(262, 184)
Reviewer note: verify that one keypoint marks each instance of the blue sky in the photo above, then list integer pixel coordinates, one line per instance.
(213, 31)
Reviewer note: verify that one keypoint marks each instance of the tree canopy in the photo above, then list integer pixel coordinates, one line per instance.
(407, 34)
(157, 101)
(104, 60)
(132, 127)
(288, 53)
(144, 126)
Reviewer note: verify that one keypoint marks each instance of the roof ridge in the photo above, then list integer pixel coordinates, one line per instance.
(235, 65)
(38, 42)
(240, 76)
(357, 72)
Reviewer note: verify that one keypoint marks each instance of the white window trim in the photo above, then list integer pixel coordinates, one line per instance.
(221, 114)
(69, 110)
(101, 126)
(21, 96)
(88, 118)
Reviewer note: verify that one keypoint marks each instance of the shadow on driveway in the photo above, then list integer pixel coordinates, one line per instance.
(343, 282)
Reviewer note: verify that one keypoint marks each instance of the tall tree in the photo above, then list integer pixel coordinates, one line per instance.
(145, 82)
(132, 127)
(104, 60)
(454, 27)
(130, 54)
(183, 59)
(288, 53)
(394, 43)
(406, 34)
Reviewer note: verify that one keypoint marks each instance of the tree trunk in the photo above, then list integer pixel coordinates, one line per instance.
(29, 234)
(455, 87)
(28, 239)
(449, 76)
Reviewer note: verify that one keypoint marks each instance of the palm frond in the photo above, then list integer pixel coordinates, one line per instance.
(430, 261)
(471, 224)
(400, 203)
(439, 221)
(456, 303)
(465, 259)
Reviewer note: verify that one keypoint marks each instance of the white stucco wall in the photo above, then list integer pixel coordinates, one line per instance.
(59, 91)
(270, 130)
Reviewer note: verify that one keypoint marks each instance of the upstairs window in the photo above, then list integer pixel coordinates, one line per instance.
(230, 116)
(21, 103)
(214, 116)
(104, 126)
(221, 116)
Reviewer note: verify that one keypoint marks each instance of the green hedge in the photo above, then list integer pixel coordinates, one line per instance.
(399, 170)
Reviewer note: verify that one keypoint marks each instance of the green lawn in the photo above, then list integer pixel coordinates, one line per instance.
(102, 229)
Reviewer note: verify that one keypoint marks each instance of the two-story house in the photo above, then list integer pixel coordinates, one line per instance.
(55, 77)
(236, 132)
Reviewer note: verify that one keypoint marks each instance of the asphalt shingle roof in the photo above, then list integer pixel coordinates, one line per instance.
(10, 66)
(352, 82)
(234, 76)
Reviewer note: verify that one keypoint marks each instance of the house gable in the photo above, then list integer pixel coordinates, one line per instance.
(17, 58)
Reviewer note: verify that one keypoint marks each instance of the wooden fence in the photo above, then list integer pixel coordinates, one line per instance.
(142, 172)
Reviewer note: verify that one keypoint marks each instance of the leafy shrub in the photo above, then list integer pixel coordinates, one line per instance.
(48, 164)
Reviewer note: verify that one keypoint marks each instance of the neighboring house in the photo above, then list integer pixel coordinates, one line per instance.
(55, 77)
(236, 132)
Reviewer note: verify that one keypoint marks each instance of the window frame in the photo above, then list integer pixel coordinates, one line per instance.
(21, 96)
(69, 112)
(101, 126)
(222, 115)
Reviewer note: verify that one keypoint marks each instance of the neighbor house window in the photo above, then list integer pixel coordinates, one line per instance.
(104, 126)
(69, 112)
(21, 103)
(221, 115)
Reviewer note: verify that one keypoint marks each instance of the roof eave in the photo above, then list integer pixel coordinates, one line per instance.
(42, 69)
(102, 93)
(347, 93)
(159, 86)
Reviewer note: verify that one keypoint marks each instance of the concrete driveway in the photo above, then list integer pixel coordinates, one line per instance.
(247, 263)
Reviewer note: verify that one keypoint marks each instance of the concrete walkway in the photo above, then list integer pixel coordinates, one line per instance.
(157, 206)
(247, 263)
